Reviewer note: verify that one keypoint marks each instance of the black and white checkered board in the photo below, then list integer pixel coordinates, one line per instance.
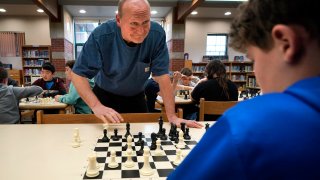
(162, 165)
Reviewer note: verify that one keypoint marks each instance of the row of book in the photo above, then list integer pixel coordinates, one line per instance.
(32, 72)
(252, 82)
(241, 68)
(36, 53)
(37, 62)
(238, 77)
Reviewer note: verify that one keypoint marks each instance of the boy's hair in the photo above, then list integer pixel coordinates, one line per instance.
(186, 72)
(3, 74)
(48, 66)
(256, 18)
(1, 65)
(70, 63)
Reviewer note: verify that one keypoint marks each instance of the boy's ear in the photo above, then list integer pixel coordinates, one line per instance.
(288, 41)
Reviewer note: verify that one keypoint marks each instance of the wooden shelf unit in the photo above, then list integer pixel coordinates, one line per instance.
(33, 58)
(251, 82)
(237, 71)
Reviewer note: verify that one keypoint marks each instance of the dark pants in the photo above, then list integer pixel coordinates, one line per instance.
(122, 104)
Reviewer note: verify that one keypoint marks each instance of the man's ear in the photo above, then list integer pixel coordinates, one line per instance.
(118, 19)
(288, 41)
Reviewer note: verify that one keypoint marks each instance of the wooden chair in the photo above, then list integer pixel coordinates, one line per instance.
(214, 107)
(91, 118)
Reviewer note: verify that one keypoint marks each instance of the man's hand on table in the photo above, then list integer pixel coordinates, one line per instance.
(189, 123)
(108, 115)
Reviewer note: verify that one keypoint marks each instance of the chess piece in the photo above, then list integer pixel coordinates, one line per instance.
(138, 143)
(177, 160)
(105, 137)
(76, 131)
(113, 164)
(115, 137)
(186, 135)
(75, 142)
(171, 130)
(164, 137)
(176, 137)
(160, 127)
(129, 144)
(140, 152)
(158, 151)
(97, 164)
(128, 130)
(207, 126)
(181, 143)
(129, 163)
(153, 141)
(183, 127)
(185, 96)
(146, 169)
(92, 170)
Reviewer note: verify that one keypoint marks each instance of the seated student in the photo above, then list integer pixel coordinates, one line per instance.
(184, 80)
(275, 135)
(10, 80)
(10, 97)
(73, 97)
(52, 85)
(215, 87)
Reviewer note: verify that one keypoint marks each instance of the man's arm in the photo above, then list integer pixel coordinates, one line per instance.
(168, 99)
(83, 87)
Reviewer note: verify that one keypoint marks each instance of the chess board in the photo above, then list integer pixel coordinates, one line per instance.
(162, 165)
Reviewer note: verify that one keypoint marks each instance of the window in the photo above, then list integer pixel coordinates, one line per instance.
(217, 45)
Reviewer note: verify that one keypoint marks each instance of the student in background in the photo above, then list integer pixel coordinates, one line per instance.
(184, 80)
(215, 87)
(51, 85)
(73, 97)
(10, 80)
(10, 97)
(276, 135)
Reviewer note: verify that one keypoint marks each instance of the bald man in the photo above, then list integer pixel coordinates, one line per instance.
(121, 54)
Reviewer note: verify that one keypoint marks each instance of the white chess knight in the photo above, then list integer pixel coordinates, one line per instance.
(158, 151)
(113, 163)
(181, 143)
(129, 163)
(146, 169)
(129, 144)
(92, 170)
(178, 159)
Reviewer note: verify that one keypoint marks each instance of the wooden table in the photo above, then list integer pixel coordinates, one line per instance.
(44, 151)
(179, 101)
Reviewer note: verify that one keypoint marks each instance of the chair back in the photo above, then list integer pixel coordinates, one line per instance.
(214, 107)
(91, 118)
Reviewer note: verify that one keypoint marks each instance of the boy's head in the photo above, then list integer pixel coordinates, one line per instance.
(3, 75)
(47, 71)
(69, 66)
(186, 76)
(282, 37)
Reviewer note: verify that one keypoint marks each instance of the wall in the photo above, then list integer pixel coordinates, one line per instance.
(196, 36)
(36, 33)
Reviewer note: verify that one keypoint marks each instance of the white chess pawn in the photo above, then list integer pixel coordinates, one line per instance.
(181, 143)
(146, 169)
(75, 142)
(76, 131)
(177, 161)
(129, 163)
(92, 170)
(158, 151)
(113, 163)
(129, 144)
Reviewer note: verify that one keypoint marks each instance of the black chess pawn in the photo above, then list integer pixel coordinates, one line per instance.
(164, 136)
(160, 127)
(27, 99)
(128, 130)
(138, 143)
(176, 140)
(185, 96)
(105, 137)
(140, 152)
(186, 135)
(171, 130)
(207, 126)
(153, 141)
(115, 137)
(183, 127)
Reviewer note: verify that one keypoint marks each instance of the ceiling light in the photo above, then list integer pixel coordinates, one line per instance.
(116, 11)
(194, 12)
(227, 13)
(82, 11)
(40, 10)
(2, 10)
(154, 12)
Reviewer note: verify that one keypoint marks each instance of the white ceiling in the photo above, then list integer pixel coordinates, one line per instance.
(107, 8)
